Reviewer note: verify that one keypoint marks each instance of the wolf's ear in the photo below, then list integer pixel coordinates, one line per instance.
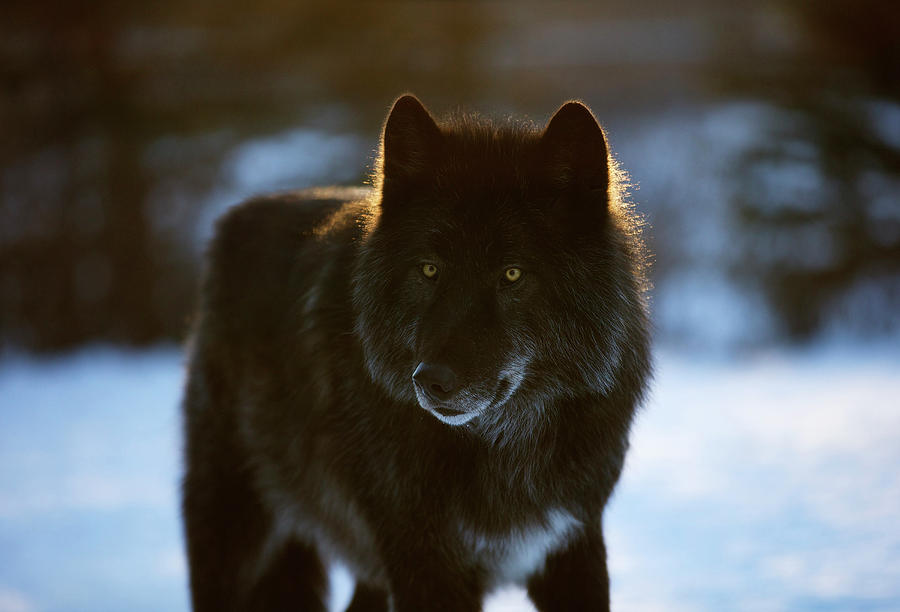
(411, 139)
(574, 153)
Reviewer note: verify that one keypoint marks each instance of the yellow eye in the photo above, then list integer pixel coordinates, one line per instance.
(512, 274)
(429, 270)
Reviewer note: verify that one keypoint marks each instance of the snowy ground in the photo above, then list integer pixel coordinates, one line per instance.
(766, 483)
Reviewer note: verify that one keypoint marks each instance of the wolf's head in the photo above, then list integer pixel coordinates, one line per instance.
(500, 270)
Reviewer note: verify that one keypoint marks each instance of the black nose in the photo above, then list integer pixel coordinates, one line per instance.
(436, 380)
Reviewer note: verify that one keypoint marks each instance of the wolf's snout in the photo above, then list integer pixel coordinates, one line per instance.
(436, 380)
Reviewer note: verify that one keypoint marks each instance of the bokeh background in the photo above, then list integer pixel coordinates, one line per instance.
(763, 141)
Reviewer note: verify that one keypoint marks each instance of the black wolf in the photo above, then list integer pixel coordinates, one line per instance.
(431, 381)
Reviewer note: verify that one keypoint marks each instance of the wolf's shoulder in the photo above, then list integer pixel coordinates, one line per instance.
(268, 250)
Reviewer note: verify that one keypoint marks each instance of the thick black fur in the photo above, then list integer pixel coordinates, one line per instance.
(307, 438)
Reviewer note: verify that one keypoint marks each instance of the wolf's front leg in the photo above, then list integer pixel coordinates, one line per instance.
(431, 579)
(574, 579)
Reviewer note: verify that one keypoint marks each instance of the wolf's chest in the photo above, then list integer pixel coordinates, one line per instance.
(515, 555)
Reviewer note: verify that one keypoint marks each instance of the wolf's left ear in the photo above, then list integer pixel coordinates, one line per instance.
(411, 139)
(574, 152)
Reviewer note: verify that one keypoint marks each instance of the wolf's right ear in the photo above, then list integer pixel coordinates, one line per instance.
(411, 139)
(574, 151)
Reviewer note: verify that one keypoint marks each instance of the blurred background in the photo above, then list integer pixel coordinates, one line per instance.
(763, 141)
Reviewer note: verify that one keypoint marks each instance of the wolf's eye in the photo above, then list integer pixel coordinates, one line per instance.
(429, 270)
(512, 274)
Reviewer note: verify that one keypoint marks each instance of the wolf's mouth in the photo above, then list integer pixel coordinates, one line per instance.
(448, 411)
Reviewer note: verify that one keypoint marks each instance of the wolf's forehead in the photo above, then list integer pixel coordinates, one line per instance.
(490, 239)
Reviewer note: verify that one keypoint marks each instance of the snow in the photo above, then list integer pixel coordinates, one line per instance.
(775, 479)
(765, 482)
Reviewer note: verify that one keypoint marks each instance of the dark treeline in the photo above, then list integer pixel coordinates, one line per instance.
(817, 250)
(88, 89)
(117, 117)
